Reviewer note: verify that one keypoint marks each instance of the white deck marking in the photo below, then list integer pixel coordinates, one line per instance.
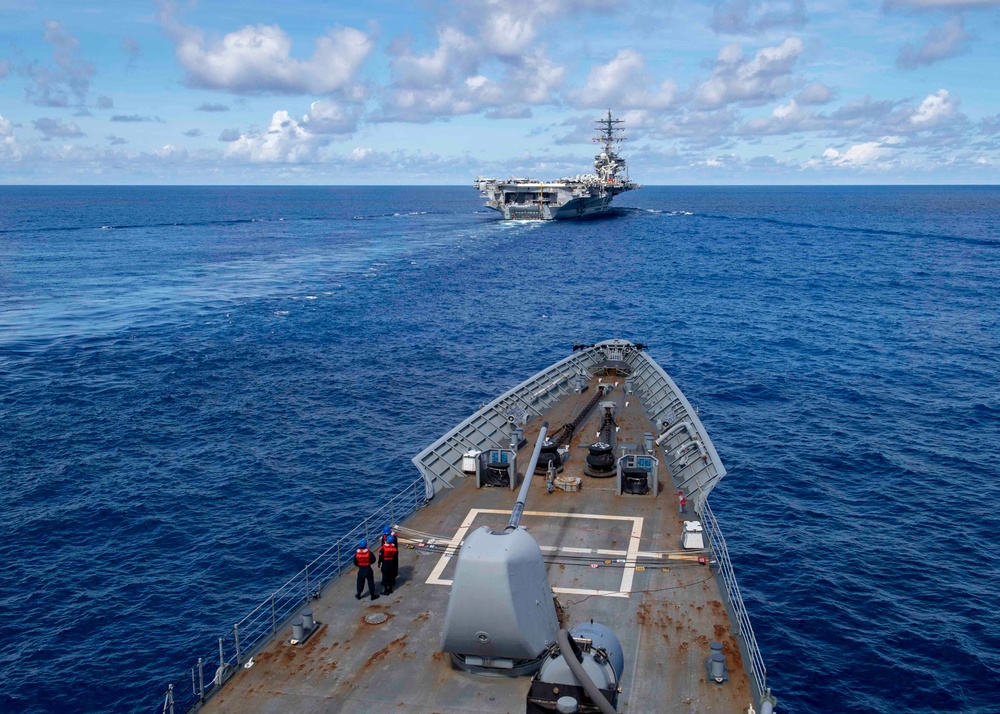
(628, 572)
(633, 551)
(435, 576)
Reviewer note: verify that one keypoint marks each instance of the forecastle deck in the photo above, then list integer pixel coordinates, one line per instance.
(613, 559)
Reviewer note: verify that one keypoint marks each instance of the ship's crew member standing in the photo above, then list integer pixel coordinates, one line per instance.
(386, 532)
(363, 559)
(388, 561)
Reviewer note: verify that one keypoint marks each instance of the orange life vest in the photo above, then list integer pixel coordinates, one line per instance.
(390, 551)
(364, 557)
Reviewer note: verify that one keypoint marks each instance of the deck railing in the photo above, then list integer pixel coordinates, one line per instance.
(253, 632)
(743, 628)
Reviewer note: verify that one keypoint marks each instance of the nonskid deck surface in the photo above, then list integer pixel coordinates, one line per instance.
(664, 612)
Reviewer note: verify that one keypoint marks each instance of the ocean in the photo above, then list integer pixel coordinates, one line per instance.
(202, 387)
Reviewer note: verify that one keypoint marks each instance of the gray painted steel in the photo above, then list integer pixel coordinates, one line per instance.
(570, 197)
(501, 601)
(491, 426)
(692, 458)
(605, 674)
(662, 617)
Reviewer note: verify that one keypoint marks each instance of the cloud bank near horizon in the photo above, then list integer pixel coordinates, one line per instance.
(731, 91)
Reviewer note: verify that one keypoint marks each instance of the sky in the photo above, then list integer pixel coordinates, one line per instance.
(419, 92)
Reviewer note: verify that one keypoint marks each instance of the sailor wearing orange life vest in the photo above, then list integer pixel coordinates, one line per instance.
(363, 558)
(388, 561)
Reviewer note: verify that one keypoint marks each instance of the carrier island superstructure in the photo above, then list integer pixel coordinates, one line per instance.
(557, 554)
(579, 196)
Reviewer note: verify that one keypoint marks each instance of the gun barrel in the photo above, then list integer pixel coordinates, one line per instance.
(522, 496)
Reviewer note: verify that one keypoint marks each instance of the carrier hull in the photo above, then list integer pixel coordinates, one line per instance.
(517, 203)
(582, 196)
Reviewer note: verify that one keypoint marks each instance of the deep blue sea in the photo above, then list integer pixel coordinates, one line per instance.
(200, 388)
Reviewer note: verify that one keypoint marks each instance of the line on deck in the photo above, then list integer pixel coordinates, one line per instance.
(628, 572)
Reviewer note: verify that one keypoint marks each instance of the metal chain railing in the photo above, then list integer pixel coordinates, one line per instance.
(743, 627)
(258, 627)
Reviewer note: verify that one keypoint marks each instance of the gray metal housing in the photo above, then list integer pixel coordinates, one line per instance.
(605, 674)
(501, 605)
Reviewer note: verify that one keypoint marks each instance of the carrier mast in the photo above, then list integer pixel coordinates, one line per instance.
(608, 163)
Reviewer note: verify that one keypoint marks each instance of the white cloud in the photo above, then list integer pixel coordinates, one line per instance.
(937, 109)
(785, 119)
(750, 81)
(284, 141)
(257, 59)
(507, 28)
(868, 154)
(456, 56)
(534, 80)
(447, 82)
(936, 120)
(619, 83)
(511, 27)
(171, 152)
(9, 148)
(328, 117)
(698, 129)
(940, 43)
(487, 59)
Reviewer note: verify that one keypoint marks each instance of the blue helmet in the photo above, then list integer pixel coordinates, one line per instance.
(363, 543)
(391, 539)
(386, 531)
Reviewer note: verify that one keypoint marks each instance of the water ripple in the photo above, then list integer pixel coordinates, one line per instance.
(193, 407)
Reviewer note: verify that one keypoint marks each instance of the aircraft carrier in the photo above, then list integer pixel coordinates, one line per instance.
(557, 554)
(582, 196)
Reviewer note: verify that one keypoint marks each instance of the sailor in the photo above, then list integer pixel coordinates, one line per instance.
(388, 561)
(363, 559)
(386, 532)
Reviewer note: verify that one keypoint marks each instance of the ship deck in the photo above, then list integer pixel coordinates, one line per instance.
(665, 614)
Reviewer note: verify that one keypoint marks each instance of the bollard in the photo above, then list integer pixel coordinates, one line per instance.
(717, 663)
(718, 667)
(298, 630)
(307, 619)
